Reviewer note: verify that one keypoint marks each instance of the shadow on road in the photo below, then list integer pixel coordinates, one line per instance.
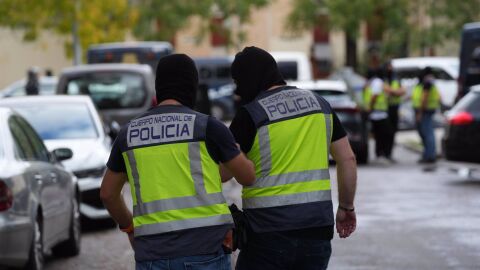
(471, 182)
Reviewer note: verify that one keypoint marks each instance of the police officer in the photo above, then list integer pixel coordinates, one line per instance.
(396, 91)
(32, 85)
(425, 101)
(378, 107)
(289, 133)
(170, 156)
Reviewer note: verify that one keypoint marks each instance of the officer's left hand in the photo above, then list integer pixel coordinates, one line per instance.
(346, 223)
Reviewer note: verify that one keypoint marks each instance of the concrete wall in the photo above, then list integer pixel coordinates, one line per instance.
(16, 56)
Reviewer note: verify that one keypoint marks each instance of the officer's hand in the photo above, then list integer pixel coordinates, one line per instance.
(228, 240)
(346, 223)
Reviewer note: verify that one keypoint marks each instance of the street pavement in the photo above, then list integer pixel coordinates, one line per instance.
(409, 217)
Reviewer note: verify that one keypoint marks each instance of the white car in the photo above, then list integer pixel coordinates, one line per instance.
(445, 71)
(71, 122)
(294, 66)
(47, 86)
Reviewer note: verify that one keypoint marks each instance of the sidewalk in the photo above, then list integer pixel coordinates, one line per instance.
(411, 140)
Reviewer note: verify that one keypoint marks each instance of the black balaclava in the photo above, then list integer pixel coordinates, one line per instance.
(254, 70)
(177, 78)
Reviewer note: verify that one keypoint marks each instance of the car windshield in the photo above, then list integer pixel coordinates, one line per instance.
(110, 90)
(56, 121)
(333, 96)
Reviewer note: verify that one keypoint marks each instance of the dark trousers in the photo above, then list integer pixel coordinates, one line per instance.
(393, 117)
(277, 251)
(383, 134)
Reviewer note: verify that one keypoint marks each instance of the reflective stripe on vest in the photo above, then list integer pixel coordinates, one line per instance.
(394, 100)
(292, 176)
(433, 98)
(181, 192)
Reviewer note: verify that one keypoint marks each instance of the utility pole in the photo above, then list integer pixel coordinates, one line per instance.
(77, 47)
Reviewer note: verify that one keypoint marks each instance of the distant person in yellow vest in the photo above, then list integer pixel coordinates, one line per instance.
(381, 127)
(170, 156)
(396, 91)
(289, 134)
(426, 101)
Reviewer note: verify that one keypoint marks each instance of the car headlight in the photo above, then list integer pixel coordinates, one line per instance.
(94, 172)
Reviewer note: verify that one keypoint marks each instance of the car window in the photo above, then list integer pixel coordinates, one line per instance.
(60, 120)
(440, 74)
(469, 103)
(288, 69)
(407, 73)
(110, 90)
(23, 148)
(39, 149)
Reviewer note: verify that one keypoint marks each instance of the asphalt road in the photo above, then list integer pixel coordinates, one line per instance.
(409, 217)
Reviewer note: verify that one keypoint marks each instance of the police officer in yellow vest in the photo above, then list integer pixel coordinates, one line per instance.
(425, 101)
(378, 114)
(170, 156)
(289, 133)
(396, 91)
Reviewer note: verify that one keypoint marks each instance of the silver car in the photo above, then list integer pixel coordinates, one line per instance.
(38, 197)
(73, 122)
(46, 86)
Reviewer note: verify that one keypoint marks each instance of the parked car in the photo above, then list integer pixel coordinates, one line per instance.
(215, 78)
(469, 58)
(66, 121)
(38, 197)
(461, 140)
(445, 71)
(294, 66)
(335, 92)
(47, 86)
(119, 91)
(147, 52)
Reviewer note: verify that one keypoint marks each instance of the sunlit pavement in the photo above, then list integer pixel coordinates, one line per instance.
(409, 217)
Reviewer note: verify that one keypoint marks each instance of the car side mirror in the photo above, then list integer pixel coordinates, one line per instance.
(62, 154)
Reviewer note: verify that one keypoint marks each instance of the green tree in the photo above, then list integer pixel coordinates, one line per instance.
(161, 20)
(345, 15)
(87, 21)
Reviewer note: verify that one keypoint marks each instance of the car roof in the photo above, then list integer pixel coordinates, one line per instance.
(213, 60)
(422, 62)
(471, 26)
(154, 45)
(286, 55)
(46, 99)
(321, 85)
(475, 88)
(140, 68)
(41, 80)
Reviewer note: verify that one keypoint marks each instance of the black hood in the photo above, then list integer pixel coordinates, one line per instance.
(177, 78)
(254, 70)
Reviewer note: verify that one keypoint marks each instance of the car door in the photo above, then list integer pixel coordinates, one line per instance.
(36, 174)
(60, 184)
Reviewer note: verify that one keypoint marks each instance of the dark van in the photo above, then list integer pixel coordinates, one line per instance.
(148, 52)
(469, 58)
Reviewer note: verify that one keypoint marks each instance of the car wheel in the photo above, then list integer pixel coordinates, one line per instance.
(71, 247)
(217, 112)
(36, 257)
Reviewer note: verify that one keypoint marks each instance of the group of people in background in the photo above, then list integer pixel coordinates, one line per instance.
(381, 99)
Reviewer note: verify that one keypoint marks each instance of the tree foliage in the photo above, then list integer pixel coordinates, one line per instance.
(399, 24)
(161, 20)
(97, 20)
